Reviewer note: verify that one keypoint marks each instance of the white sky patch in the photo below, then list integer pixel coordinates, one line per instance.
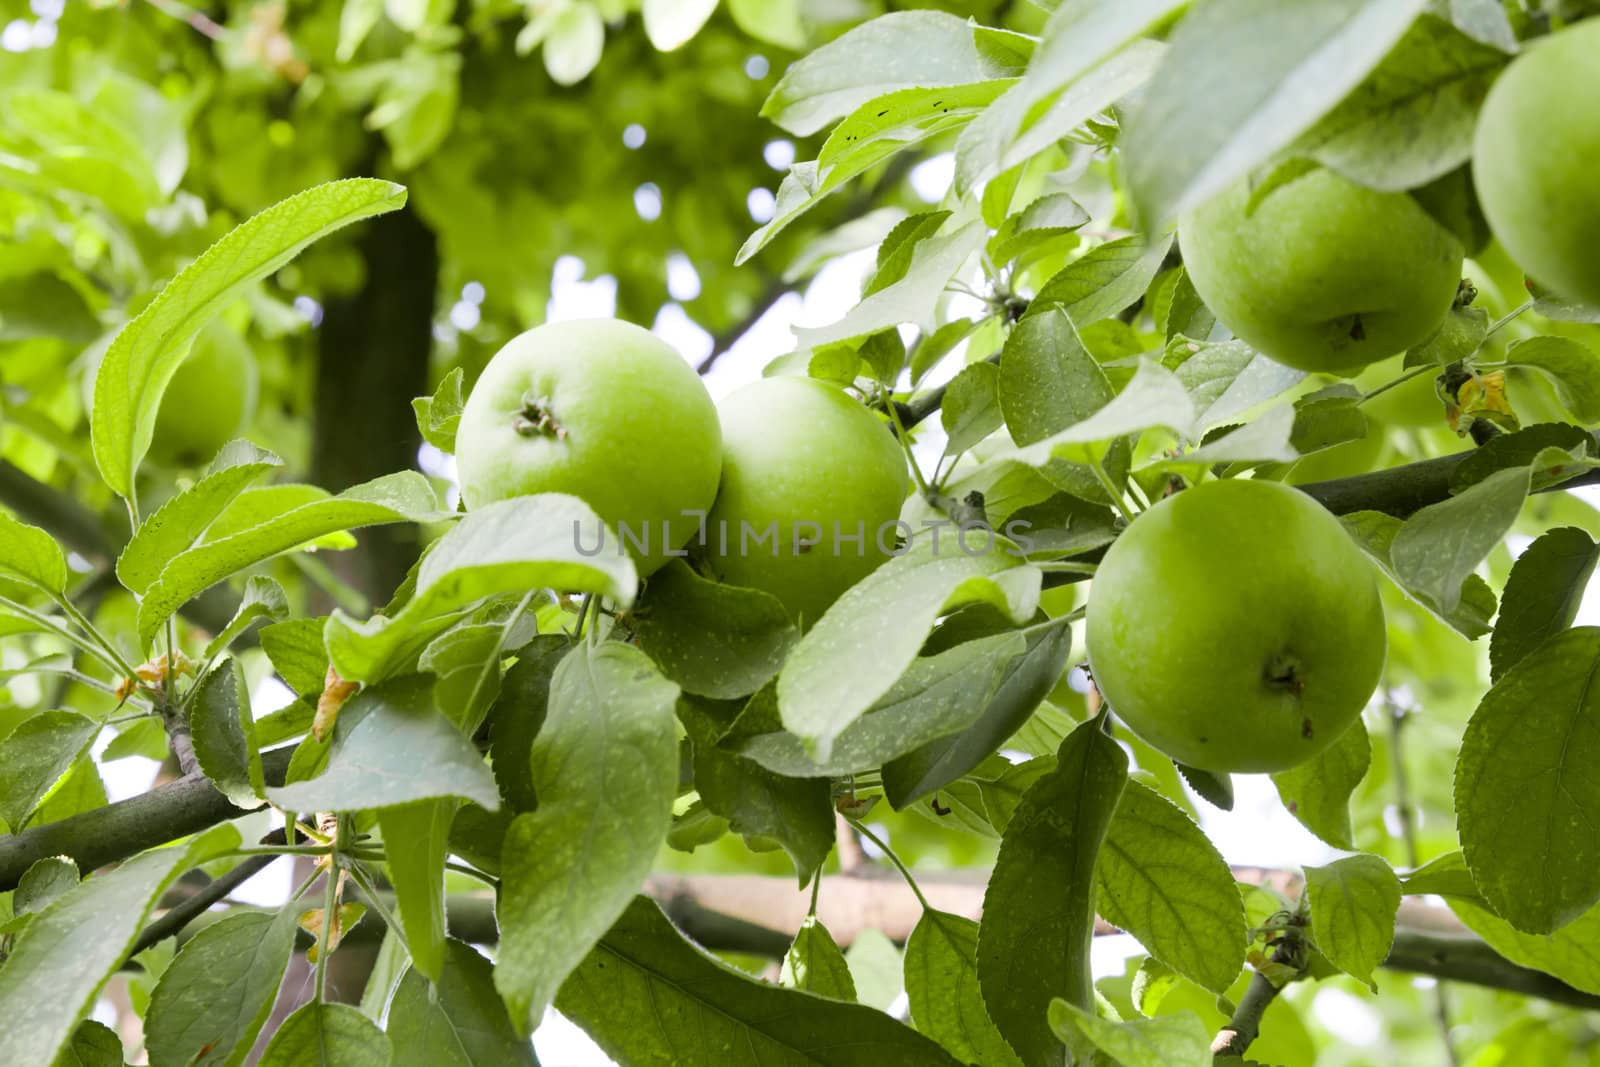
(647, 201)
(779, 154)
(931, 178)
(761, 204)
(683, 281)
(674, 326)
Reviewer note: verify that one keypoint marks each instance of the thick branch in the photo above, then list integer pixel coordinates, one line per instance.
(1463, 958)
(75, 525)
(105, 835)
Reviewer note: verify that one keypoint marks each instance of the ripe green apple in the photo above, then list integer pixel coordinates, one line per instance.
(1535, 156)
(209, 400)
(1236, 627)
(1322, 274)
(803, 459)
(603, 410)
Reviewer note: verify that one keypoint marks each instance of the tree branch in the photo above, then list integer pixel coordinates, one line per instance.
(75, 525)
(1242, 1029)
(1464, 958)
(105, 835)
(175, 918)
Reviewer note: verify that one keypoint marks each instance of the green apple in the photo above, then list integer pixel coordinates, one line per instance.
(603, 410)
(812, 484)
(1236, 627)
(209, 400)
(1321, 274)
(1535, 156)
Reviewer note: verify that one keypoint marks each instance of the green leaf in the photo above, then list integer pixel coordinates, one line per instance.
(795, 812)
(573, 44)
(518, 714)
(914, 299)
(1038, 911)
(403, 497)
(1081, 67)
(1180, 1040)
(937, 696)
(671, 24)
(941, 969)
(43, 882)
(1203, 124)
(1163, 881)
(263, 598)
(1445, 876)
(31, 555)
(1104, 281)
(392, 746)
(815, 964)
(416, 840)
(36, 756)
(776, 22)
(1024, 683)
(1043, 220)
(439, 415)
(1461, 334)
(1353, 906)
(876, 968)
(93, 1044)
(1542, 595)
(1552, 306)
(1226, 379)
(972, 407)
(215, 995)
(1047, 380)
(646, 995)
(224, 735)
(903, 50)
(457, 1021)
(512, 546)
(849, 660)
(1317, 792)
(328, 1035)
(713, 640)
(136, 368)
(1412, 119)
(1526, 797)
(465, 660)
(1521, 448)
(878, 129)
(1572, 365)
(181, 521)
(1439, 546)
(72, 948)
(1154, 397)
(605, 768)
(1375, 533)
(295, 649)
(1568, 953)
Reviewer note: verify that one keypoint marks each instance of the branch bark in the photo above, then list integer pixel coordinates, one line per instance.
(105, 835)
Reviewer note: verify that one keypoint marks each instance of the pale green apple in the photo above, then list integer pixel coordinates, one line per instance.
(1320, 273)
(812, 484)
(1536, 158)
(603, 410)
(1236, 626)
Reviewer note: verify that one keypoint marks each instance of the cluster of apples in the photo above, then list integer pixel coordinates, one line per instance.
(1234, 625)
(753, 489)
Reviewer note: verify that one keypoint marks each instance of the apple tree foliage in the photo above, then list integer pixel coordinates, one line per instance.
(375, 195)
